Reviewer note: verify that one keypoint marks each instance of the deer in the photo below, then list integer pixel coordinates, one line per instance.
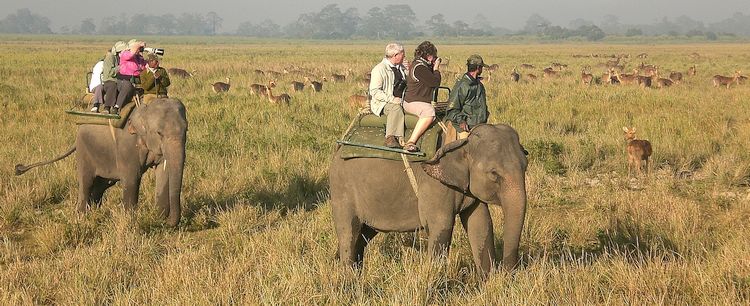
(221, 86)
(358, 101)
(727, 81)
(625, 78)
(261, 90)
(514, 76)
(179, 72)
(675, 76)
(642, 55)
(258, 71)
(531, 76)
(315, 85)
(644, 81)
(297, 86)
(586, 78)
(273, 74)
(639, 151)
(559, 66)
(527, 66)
(283, 98)
(662, 82)
(445, 62)
(493, 67)
(550, 73)
(609, 77)
(340, 77)
(691, 71)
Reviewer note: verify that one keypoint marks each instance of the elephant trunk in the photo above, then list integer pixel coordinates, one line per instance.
(513, 201)
(174, 164)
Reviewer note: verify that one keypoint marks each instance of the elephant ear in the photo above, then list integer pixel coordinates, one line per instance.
(137, 124)
(451, 170)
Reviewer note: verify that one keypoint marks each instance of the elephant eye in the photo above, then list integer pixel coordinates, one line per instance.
(494, 176)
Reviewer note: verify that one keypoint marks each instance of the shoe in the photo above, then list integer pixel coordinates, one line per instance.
(95, 109)
(115, 111)
(411, 147)
(392, 142)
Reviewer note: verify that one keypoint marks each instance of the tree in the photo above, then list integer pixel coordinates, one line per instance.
(87, 27)
(266, 28)
(461, 28)
(329, 23)
(25, 22)
(535, 24)
(633, 32)
(438, 25)
(214, 21)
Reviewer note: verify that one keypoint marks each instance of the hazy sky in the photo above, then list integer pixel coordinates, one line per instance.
(505, 13)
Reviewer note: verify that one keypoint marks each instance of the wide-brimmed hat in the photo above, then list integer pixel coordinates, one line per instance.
(476, 60)
(119, 46)
(132, 42)
(152, 57)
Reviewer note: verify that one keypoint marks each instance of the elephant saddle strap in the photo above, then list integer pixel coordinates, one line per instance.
(410, 173)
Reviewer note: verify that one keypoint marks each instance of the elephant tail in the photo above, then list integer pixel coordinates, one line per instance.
(21, 169)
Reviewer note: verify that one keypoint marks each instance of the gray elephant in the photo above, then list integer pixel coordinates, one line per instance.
(154, 136)
(374, 195)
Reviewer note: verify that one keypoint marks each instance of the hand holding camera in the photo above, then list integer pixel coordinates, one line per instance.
(436, 65)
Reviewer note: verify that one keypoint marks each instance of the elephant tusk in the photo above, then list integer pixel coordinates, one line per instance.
(165, 165)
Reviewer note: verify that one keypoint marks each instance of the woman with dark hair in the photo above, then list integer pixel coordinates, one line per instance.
(424, 77)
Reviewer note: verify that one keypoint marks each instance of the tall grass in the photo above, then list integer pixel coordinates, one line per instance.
(257, 229)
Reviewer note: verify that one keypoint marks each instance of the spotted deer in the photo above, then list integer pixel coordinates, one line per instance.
(179, 72)
(550, 73)
(221, 86)
(691, 71)
(675, 76)
(639, 151)
(282, 98)
(358, 101)
(662, 82)
(586, 78)
(261, 90)
(720, 80)
(315, 85)
(297, 86)
(515, 76)
(625, 78)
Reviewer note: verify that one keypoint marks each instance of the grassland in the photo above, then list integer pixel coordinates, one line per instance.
(257, 227)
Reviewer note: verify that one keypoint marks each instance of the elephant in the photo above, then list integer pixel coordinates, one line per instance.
(153, 136)
(370, 195)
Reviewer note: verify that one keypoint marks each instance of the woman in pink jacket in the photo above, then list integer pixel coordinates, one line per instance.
(131, 65)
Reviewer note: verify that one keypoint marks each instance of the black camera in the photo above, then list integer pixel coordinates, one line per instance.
(398, 88)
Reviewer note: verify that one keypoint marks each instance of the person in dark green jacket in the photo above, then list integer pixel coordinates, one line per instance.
(467, 104)
(154, 79)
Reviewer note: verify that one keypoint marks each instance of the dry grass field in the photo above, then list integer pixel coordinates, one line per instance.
(256, 225)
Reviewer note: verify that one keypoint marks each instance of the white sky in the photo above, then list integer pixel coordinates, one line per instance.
(505, 13)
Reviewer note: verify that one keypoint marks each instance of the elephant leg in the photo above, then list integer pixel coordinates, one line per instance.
(439, 236)
(366, 234)
(352, 241)
(85, 184)
(478, 225)
(98, 189)
(130, 189)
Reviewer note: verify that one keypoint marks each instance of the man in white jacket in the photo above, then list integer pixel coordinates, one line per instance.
(387, 85)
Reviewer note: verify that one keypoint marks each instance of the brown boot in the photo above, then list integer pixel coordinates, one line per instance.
(392, 142)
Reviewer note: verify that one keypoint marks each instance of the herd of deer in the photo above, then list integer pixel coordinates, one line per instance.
(645, 75)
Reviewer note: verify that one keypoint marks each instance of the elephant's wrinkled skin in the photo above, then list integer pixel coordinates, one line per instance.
(373, 195)
(153, 137)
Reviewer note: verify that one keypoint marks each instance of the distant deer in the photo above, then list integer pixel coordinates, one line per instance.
(178, 72)
(493, 67)
(662, 82)
(514, 76)
(559, 66)
(675, 76)
(261, 90)
(644, 81)
(691, 71)
(340, 77)
(609, 77)
(550, 73)
(283, 98)
(642, 55)
(726, 81)
(624, 78)
(297, 86)
(527, 66)
(638, 151)
(586, 78)
(273, 74)
(531, 76)
(258, 71)
(315, 85)
(358, 101)
(445, 62)
(221, 86)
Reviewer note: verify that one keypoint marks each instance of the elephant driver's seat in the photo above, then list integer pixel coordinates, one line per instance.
(369, 129)
(117, 123)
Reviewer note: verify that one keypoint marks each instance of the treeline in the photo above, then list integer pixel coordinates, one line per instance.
(390, 21)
